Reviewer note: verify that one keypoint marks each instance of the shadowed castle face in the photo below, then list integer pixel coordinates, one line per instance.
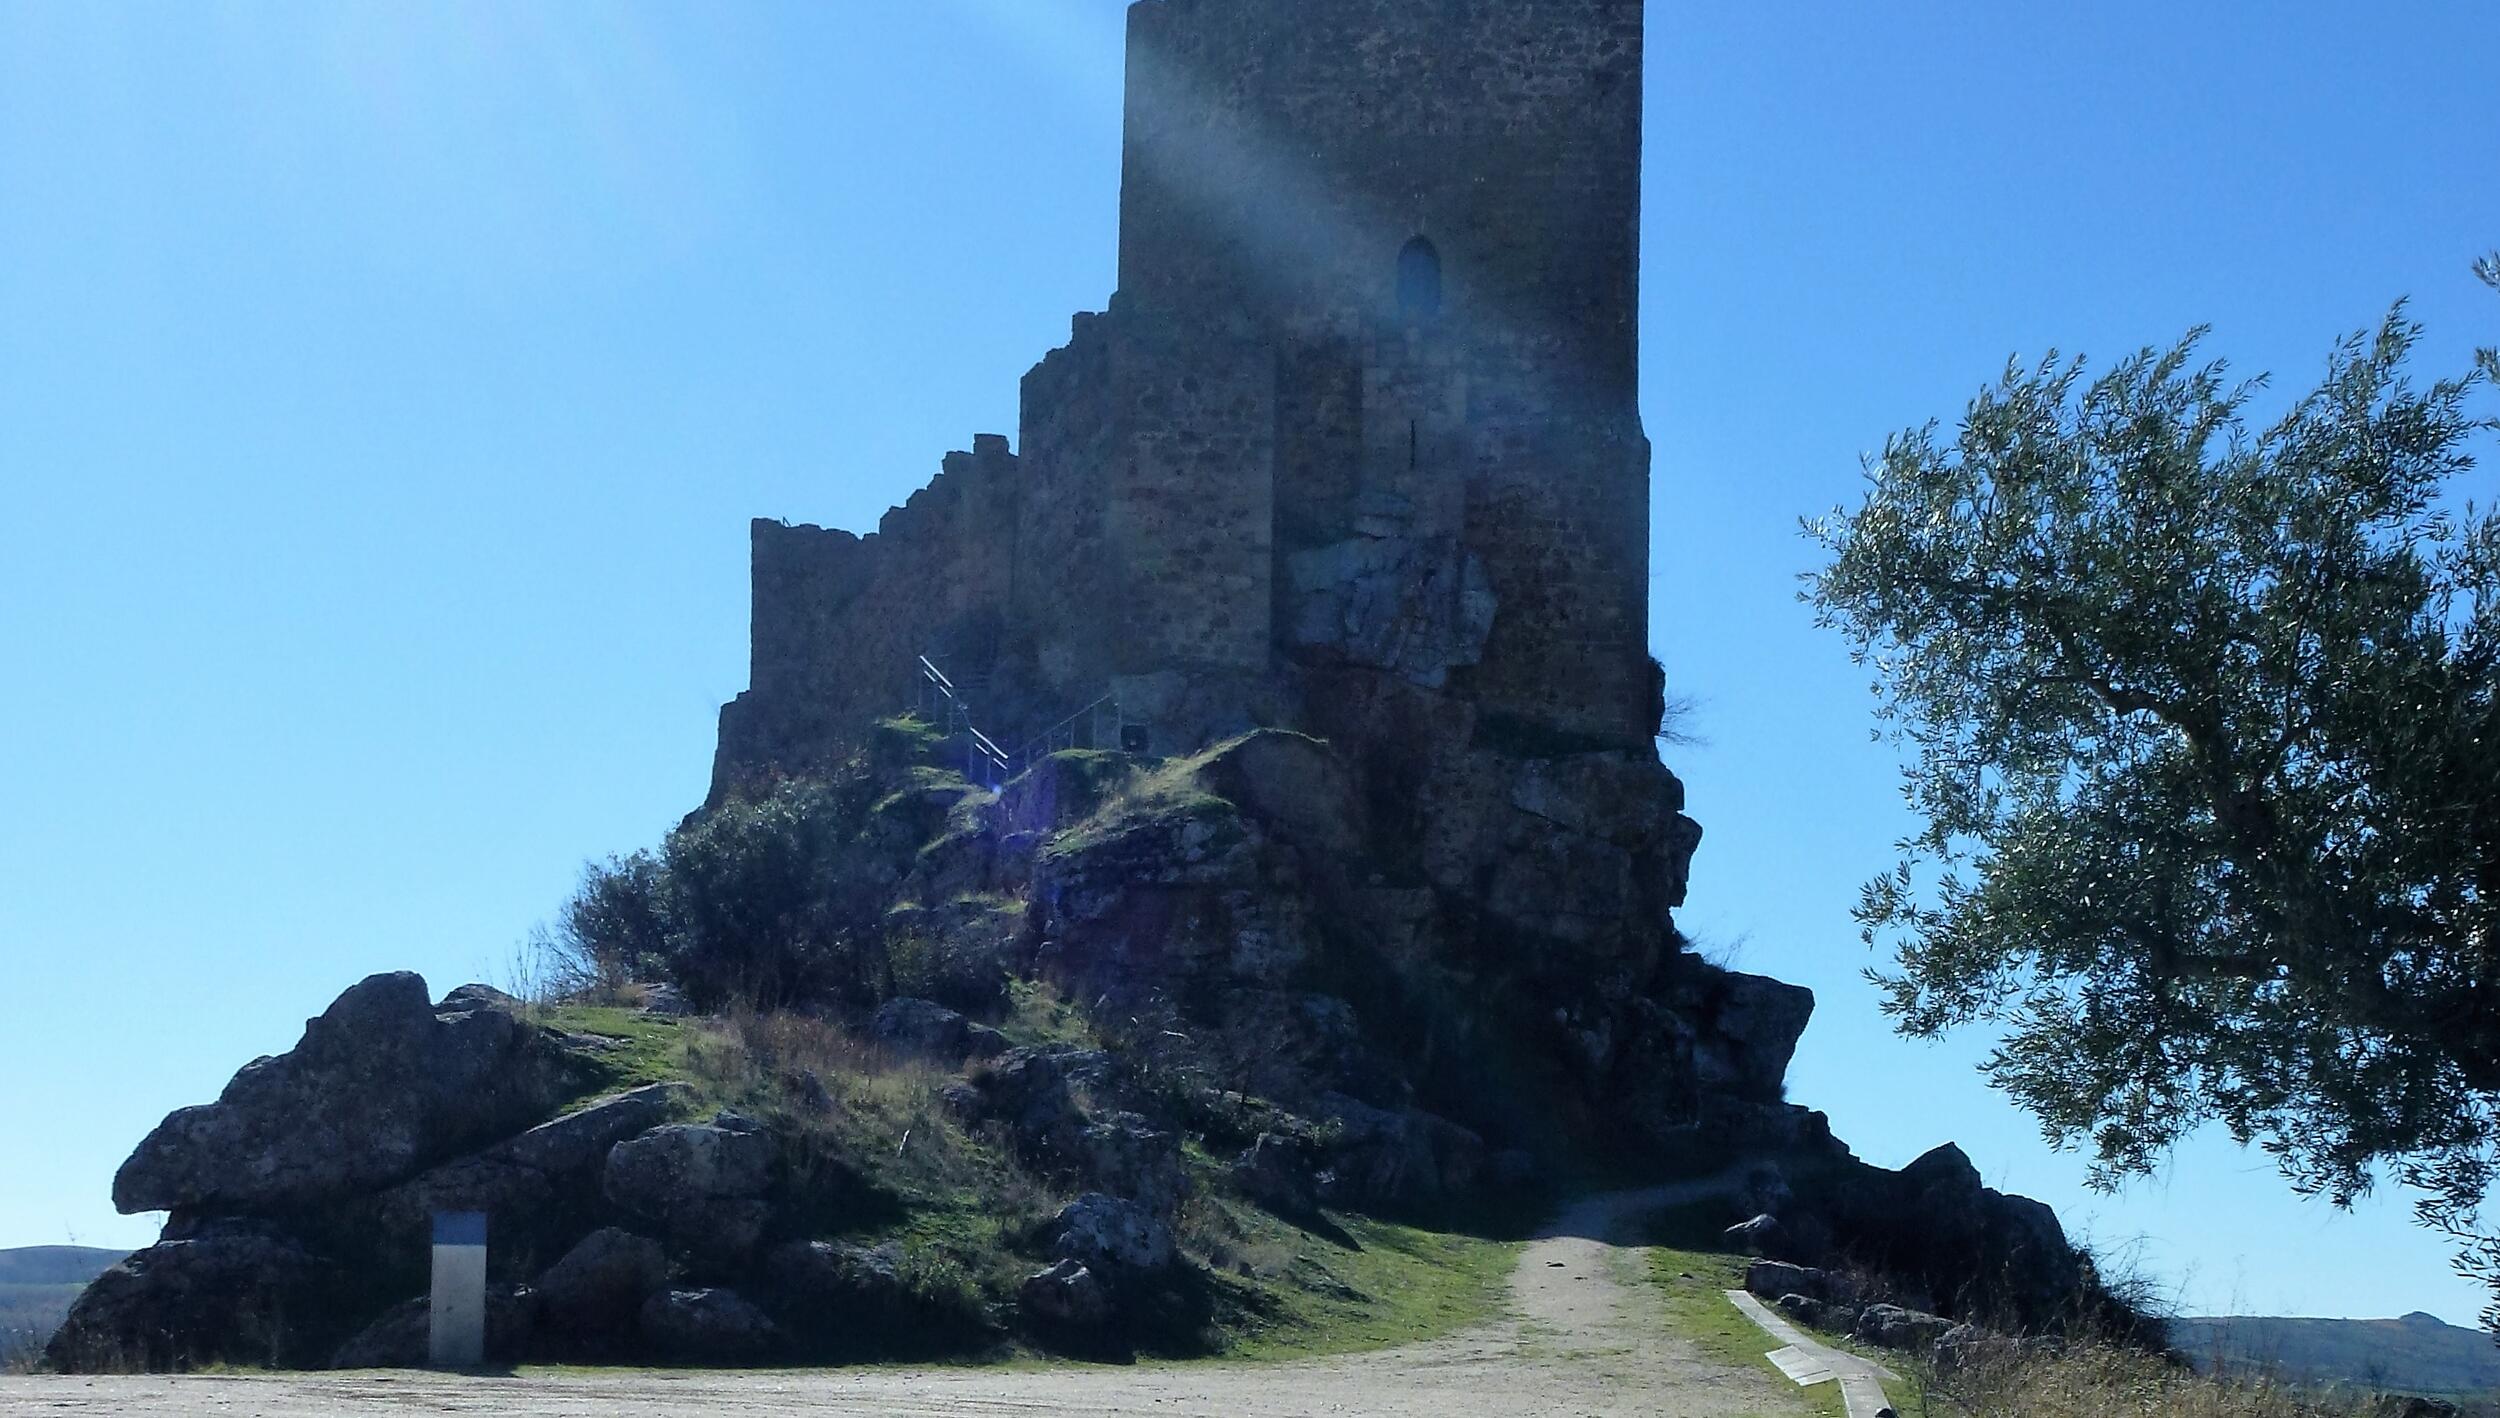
(1359, 426)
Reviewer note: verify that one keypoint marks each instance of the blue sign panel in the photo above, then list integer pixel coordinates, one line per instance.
(460, 1228)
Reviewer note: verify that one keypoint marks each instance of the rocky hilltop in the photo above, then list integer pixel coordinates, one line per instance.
(1247, 1024)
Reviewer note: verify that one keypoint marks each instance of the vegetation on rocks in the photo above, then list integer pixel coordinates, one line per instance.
(1126, 1058)
(2091, 1370)
(2094, 1380)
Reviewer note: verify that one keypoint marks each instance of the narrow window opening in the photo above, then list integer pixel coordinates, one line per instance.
(1414, 442)
(1419, 281)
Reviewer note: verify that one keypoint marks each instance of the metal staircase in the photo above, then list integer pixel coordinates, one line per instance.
(992, 767)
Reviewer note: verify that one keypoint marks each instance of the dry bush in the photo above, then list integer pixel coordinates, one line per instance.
(2102, 1380)
(549, 968)
(861, 1115)
(1212, 1233)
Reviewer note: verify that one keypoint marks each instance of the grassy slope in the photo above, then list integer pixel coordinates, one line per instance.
(1269, 1288)
(1350, 1284)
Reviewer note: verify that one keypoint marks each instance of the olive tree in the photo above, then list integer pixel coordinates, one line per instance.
(2202, 718)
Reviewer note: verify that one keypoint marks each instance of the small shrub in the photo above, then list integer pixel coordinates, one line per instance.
(764, 902)
(19, 1353)
(617, 924)
(770, 900)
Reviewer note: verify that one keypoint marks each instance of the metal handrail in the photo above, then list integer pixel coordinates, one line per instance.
(1050, 736)
(995, 766)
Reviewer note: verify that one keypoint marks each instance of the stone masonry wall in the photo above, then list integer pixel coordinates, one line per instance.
(1068, 587)
(839, 620)
(1258, 442)
(1280, 155)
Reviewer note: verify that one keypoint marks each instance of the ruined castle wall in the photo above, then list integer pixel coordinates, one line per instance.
(1260, 407)
(1319, 442)
(1069, 586)
(839, 621)
(1559, 511)
(1145, 545)
(1282, 154)
(1193, 498)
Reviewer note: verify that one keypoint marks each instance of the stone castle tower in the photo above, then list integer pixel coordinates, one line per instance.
(1355, 449)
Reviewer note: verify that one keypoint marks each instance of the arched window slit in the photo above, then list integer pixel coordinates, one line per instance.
(1419, 280)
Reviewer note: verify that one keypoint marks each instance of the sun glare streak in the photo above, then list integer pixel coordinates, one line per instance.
(1291, 218)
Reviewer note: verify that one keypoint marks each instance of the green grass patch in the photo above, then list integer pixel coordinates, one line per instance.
(646, 1048)
(1694, 1279)
(1165, 796)
(877, 1157)
(1343, 1284)
(1037, 1014)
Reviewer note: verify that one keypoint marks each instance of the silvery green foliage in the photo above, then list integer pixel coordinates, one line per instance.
(2201, 720)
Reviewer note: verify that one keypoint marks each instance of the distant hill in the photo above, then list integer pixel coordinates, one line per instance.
(2418, 1354)
(37, 1285)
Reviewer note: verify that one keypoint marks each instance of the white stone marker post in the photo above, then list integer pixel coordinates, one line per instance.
(457, 1338)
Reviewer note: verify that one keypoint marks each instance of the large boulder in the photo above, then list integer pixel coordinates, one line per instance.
(598, 1288)
(1173, 895)
(1099, 1231)
(1831, 1316)
(652, 1174)
(1936, 1231)
(383, 1085)
(708, 1327)
(1406, 1157)
(1030, 1092)
(1128, 1157)
(1772, 1279)
(552, 1167)
(704, 1182)
(1296, 787)
(1892, 1327)
(234, 1294)
(1754, 1025)
(830, 1278)
(1280, 1171)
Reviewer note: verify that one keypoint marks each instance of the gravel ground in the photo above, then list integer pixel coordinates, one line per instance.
(1584, 1339)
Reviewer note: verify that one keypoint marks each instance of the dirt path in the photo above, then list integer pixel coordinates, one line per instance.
(1584, 1339)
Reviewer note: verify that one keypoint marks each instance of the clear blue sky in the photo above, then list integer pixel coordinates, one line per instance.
(385, 389)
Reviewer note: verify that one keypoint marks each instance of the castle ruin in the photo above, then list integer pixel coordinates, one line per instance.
(1355, 450)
